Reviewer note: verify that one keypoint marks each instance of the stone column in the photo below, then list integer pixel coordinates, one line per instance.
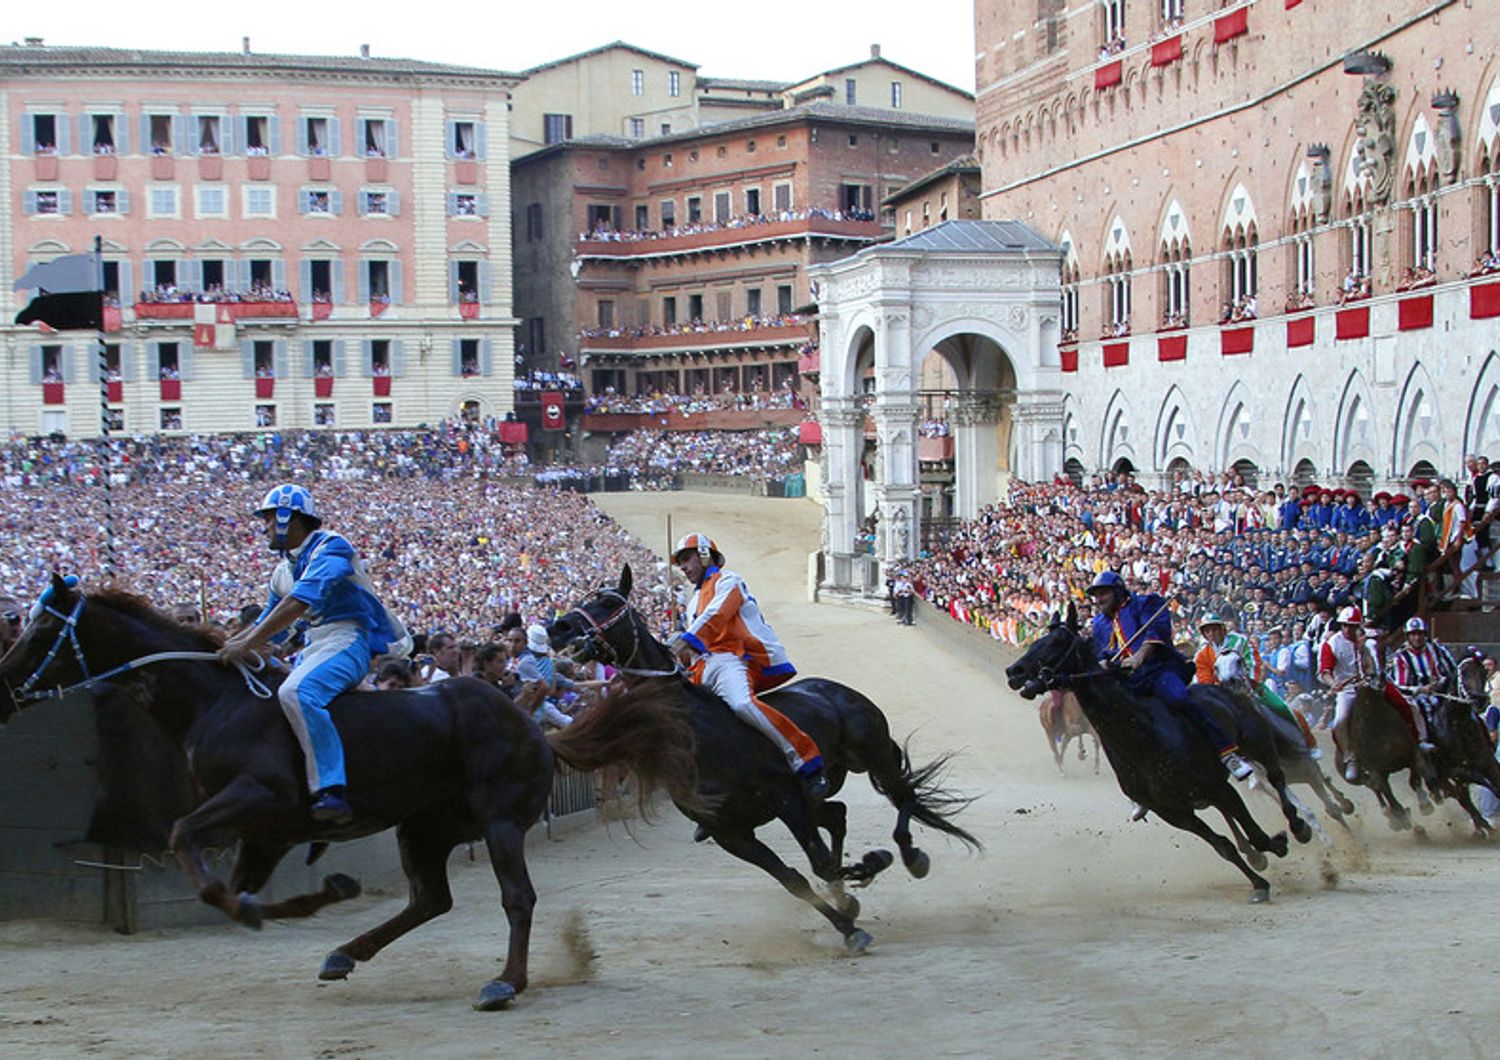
(843, 422)
(1039, 436)
(976, 450)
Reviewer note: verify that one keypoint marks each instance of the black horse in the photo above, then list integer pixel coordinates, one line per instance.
(1382, 744)
(1161, 760)
(452, 763)
(743, 781)
(1464, 754)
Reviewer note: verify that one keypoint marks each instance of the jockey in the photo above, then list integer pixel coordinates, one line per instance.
(1422, 670)
(321, 582)
(1346, 659)
(1218, 640)
(729, 647)
(1136, 632)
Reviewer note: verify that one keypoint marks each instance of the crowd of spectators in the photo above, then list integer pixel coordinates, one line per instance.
(1355, 287)
(605, 233)
(770, 454)
(1273, 561)
(608, 401)
(452, 554)
(541, 379)
(214, 294)
(1486, 263)
(694, 327)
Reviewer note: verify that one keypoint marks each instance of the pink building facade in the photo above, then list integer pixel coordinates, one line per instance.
(288, 241)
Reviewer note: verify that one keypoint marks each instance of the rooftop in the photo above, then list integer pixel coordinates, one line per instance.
(973, 237)
(17, 60)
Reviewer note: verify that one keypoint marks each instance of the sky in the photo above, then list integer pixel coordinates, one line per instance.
(767, 39)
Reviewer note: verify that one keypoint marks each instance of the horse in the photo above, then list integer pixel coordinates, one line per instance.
(744, 782)
(1064, 721)
(1464, 755)
(1291, 746)
(1161, 760)
(447, 764)
(1382, 743)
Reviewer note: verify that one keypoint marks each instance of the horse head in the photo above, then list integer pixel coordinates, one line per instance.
(1229, 668)
(47, 651)
(604, 627)
(1051, 660)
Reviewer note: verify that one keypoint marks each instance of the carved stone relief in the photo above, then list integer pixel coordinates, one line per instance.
(1376, 147)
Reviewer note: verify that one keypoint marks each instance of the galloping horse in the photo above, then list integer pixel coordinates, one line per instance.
(743, 781)
(1464, 754)
(1291, 747)
(1382, 743)
(1161, 760)
(451, 763)
(1064, 721)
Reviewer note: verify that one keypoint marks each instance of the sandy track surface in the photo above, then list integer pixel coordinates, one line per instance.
(1075, 934)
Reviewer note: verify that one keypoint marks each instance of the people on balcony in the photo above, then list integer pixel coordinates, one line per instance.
(168, 293)
(1356, 285)
(606, 233)
(694, 326)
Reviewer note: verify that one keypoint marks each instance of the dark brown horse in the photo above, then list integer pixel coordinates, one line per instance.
(451, 763)
(743, 782)
(1383, 744)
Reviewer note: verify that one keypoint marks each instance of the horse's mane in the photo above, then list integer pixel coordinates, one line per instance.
(137, 606)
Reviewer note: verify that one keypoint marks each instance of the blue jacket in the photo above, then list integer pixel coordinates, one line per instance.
(325, 573)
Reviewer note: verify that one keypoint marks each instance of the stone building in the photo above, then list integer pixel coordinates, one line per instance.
(680, 261)
(1280, 223)
(948, 193)
(288, 241)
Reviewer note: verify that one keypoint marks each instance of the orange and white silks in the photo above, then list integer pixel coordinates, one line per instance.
(741, 656)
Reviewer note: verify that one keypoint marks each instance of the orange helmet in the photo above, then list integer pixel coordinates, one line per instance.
(701, 544)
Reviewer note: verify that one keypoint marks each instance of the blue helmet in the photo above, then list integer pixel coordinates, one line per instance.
(284, 501)
(1108, 580)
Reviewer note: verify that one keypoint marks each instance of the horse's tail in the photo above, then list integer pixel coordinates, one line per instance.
(646, 727)
(920, 791)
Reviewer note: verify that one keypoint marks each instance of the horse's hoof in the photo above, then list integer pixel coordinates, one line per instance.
(1301, 830)
(247, 911)
(341, 888)
(1260, 896)
(1425, 808)
(1346, 805)
(1257, 860)
(848, 905)
(1279, 845)
(337, 965)
(496, 994)
(1418, 832)
(918, 864)
(877, 861)
(857, 941)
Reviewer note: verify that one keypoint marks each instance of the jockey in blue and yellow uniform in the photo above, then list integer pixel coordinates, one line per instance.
(728, 646)
(1135, 632)
(320, 582)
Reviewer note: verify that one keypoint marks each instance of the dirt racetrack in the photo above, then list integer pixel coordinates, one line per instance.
(1075, 934)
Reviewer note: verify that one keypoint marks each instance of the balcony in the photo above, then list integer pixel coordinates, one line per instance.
(692, 341)
(106, 167)
(319, 167)
(260, 310)
(377, 169)
(46, 166)
(468, 310)
(466, 171)
(164, 310)
(210, 167)
(163, 167)
(710, 238)
(718, 419)
(258, 167)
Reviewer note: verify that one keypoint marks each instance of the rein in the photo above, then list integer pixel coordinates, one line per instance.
(68, 635)
(600, 645)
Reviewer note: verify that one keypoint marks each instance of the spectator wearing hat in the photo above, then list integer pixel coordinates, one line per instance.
(540, 682)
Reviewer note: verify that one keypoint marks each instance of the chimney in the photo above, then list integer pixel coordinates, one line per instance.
(33, 42)
(364, 51)
(245, 45)
(874, 51)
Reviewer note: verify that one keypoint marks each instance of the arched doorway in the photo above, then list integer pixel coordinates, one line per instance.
(1305, 473)
(982, 298)
(1247, 471)
(1074, 469)
(1422, 471)
(1361, 478)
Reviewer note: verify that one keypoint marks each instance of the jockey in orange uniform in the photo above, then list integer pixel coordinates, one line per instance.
(729, 647)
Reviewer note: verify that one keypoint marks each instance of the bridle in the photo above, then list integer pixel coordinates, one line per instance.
(67, 635)
(598, 646)
(1056, 677)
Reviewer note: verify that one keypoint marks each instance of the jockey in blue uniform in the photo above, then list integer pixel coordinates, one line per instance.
(1135, 632)
(319, 582)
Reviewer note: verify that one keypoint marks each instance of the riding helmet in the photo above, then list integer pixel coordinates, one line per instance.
(702, 544)
(284, 501)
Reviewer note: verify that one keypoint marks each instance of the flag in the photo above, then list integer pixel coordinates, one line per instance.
(552, 411)
(69, 295)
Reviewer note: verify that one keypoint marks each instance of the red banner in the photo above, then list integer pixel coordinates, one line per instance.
(116, 391)
(1109, 74)
(203, 336)
(1352, 323)
(513, 432)
(1227, 27)
(52, 393)
(265, 389)
(1234, 341)
(1301, 331)
(113, 319)
(171, 390)
(553, 418)
(1484, 301)
(1116, 354)
(1171, 348)
(322, 310)
(1415, 313)
(382, 386)
(323, 386)
(1166, 51)
(1069, 357)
